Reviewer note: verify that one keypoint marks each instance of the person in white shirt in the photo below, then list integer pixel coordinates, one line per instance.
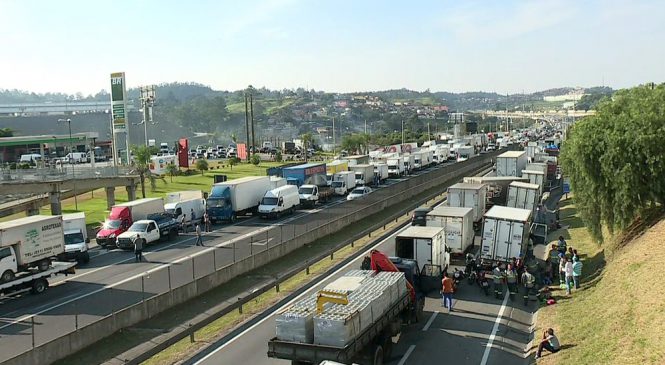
(568, 269)
(549, 342)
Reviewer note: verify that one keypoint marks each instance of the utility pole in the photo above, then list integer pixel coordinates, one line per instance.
(247, 125)
(147, 97)
(428, 132)
(251, 115)
(333, 130)
(365, 126)
(71, 158)
(402, 130)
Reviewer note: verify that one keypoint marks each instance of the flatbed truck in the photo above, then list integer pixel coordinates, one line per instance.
(35, 280)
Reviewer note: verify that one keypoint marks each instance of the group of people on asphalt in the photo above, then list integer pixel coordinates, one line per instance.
(139, 243)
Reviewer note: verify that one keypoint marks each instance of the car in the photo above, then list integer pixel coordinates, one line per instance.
(418, 216)
(231, 154)
(359, 193)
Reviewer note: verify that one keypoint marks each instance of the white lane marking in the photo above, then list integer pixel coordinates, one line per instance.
(307, 292)
(408, 352)
(429, 323)
(497, 321)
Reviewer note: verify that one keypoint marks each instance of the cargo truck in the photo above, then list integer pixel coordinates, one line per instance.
(343, 182)
(311, 194)
(536, 177)
(511, 163)
(364, 174)
(408, 160)
(76, 238)
(355, 318)
(233, 198)
(276, 182)
(457, 224)
(123, 215)
(470, 196)
(465, 152)
(505, 234)
(523, 195)
(380, 171)
(426, 245)
(310, 173)
(35, 280)
(395, 166)
(29, 242)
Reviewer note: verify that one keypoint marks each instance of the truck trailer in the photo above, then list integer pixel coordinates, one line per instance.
(233, 198)
(505, 234)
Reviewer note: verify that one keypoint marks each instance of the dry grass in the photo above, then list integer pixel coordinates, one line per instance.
(618, 316)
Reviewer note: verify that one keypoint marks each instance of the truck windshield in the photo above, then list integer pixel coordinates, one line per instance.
(337, 184)
(138, 227)
(269, 201)
(359, 176)
(306, 191)
(112, 224)
(73, 238)
(215, 203)
(171, 212)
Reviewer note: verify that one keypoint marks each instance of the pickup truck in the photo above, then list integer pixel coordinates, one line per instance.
(153, 229)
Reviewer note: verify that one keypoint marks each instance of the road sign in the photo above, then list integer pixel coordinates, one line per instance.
(566, 185)
(118, 102)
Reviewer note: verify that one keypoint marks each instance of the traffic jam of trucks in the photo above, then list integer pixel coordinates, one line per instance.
(357, 316)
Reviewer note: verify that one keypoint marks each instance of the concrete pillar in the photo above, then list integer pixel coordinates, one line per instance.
(56, 205)
(110, 196)
(33, 209)
(131, 192)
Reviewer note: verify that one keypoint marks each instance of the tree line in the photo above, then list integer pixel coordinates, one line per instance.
(616, 159)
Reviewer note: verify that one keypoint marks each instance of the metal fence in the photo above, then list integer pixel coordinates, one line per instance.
(63, 172)
(123, 303)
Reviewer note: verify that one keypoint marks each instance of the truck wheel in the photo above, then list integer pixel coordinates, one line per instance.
(43, 265)
(377, 355)
(7, 276)
(39, 286)
(233, 218)
(173, 234)
(84, 259)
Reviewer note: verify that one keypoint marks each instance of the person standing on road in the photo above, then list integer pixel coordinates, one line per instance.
(577, 271)
(192, 216)
(206, 221)
(549, 342)
(498, 278)
(199, 238)
(568, 269)
(528, 281)
(183, 224)
(511, 280)
(447, 292)
(138, 248)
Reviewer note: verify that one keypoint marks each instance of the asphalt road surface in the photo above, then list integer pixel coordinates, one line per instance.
(480, 330)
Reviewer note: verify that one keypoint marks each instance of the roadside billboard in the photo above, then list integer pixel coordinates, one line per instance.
(118, 102)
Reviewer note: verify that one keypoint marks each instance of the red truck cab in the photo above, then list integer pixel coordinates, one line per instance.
(118, 222)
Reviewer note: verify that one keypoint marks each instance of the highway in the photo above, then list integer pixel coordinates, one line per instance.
(480, 330)
(85, 297)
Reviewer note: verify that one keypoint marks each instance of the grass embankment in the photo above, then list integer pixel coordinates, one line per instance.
(94, 202)
(618, 315)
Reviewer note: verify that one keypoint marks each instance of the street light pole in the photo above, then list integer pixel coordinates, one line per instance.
(71, 158)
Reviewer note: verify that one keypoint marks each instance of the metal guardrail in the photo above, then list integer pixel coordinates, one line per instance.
(64, 172)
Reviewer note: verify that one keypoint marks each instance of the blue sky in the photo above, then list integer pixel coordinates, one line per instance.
(342, 45)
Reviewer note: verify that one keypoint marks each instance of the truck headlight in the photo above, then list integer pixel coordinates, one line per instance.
(112, 236)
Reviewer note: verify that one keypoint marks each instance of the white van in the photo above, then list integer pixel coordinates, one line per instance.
(76, 157)
(284, 199)
(31, 158)
(185, 207)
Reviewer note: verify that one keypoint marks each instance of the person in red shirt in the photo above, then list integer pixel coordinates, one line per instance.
(447, 291)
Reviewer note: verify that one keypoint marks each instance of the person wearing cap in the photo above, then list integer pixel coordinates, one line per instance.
(577, 271)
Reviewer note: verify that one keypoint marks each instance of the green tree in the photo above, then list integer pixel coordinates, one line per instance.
(233, 161)
(615, 159)
(306, 142)
(172, 170)
(6, 132)
(255, 159)
(202, 165)
(142, 156)
(278, 156)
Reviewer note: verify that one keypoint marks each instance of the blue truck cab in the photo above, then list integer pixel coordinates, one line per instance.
(309, 173)
(218, 204)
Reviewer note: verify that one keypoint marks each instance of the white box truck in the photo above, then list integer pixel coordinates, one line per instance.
(230, 199)
(343, 182)
(409, 161)
(395, 166)
(467, 195)
(524, 196)
(76, 238)
(364, 174)
(465, 152)
(189, 204)
(457, 224)
(29, 242)
(380, 171)
(505, 234)
(511, 163)
(418, 160)
(536, 177)
(276, 182)
(282, 200)
(537, 166)
(426, 245)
